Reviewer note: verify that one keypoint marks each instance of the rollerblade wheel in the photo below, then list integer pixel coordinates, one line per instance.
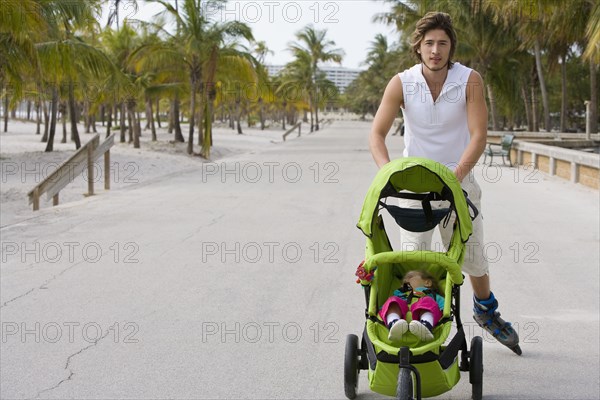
(517, 350)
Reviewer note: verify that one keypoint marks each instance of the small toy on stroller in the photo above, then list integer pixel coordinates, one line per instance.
(411, 367)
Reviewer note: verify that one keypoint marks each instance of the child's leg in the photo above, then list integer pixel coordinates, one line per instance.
(426, 305)
(426, 314)
(394, 305)
(392, 313)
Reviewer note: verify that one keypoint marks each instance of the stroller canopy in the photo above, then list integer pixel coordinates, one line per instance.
(417, 175)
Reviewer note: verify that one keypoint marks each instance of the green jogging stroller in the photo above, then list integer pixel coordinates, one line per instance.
(411, 368)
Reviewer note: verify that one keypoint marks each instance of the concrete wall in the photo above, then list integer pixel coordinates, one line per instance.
(576, 166)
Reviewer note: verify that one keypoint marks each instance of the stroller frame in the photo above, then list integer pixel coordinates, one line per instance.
(433, 365)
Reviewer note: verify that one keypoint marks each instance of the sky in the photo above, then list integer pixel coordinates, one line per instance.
(348, 23)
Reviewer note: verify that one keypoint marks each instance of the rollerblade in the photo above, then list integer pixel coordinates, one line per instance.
(488, 318)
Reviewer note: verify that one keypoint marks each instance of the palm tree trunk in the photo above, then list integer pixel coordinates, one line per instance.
(122, 120)
(38, 117)
(148, 116)
(46, 122)
(527, 109)
(594, 96)
(563, 98)
(86, 117)
(283, 116)
(261, 113)
(151, 119)
(207, 143)
(6, 104)
(54, 109)
(209, 92)
(543, 89)
(109, 121)
(171, 113)
(134, 123)
(494, 111)
(312, 124)
(28, 110)
(130, 122)
(201, 121)
(534, 113)
(176, 124)
(316, 103)
(209, 121)
(238, 116)
(190, 144)
(62, 108)
(158, 112)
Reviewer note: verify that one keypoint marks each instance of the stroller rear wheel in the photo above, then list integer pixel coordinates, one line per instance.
(405, 385)
(351, 366)
(476, 367)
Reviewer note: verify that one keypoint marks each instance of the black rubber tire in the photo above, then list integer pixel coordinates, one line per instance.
(351, 366)
(476, 367)
(404, 391)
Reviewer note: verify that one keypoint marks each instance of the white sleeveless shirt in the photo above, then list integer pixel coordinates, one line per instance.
(436, 130)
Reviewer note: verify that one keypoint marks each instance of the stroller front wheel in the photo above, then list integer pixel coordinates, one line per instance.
(351, 366)
(405, 385)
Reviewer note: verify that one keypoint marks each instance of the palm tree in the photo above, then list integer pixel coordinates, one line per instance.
(64, 58)
(314, 43)
(113, 15)
(22, 23)
(120, 44)
(592, 55)
(297, 83)
(200, 45)
(532, 21)
(567, 30)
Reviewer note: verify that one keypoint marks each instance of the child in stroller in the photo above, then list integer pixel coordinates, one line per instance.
(426, 310)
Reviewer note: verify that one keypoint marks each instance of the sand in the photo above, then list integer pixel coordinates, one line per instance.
(24, 163)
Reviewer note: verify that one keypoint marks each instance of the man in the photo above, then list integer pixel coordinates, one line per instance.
(445, 118)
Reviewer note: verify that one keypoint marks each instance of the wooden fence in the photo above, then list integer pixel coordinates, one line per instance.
(67, 171)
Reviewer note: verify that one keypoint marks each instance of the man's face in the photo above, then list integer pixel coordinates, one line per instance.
(435, 49)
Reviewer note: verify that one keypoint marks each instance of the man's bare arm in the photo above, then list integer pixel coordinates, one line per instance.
(477, 118)
(390, 104)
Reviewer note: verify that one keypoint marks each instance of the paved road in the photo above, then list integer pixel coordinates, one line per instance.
(235, 280)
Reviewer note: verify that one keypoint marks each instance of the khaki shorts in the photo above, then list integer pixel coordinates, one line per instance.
(475, 263)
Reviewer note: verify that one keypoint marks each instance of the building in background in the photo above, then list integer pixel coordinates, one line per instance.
(340, 76)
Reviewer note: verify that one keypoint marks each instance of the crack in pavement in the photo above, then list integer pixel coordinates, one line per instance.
(71, 373)
(43, 285)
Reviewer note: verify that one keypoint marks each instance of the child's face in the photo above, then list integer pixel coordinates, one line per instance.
(418, 281)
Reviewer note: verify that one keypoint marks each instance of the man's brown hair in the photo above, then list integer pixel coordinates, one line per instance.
(433, 20)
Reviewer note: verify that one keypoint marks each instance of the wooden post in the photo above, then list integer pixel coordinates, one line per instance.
(55, 200)
(107, 170)
(36, 199)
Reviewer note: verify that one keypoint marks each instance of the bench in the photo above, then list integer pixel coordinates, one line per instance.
(500, 149)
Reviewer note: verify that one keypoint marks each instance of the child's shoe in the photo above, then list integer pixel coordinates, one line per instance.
(398, 328)
(421, 329)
